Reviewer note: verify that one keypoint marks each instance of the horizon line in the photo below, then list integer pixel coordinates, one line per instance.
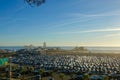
(60, 46)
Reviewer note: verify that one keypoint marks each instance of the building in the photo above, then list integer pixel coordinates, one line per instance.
(44, 45)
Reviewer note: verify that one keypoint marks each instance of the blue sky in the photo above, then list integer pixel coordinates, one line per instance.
(60, 23)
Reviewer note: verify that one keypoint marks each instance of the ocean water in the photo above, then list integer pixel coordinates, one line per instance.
(12, 47)
(92, 49)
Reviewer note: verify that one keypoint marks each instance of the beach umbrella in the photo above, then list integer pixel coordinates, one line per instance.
(4, 61)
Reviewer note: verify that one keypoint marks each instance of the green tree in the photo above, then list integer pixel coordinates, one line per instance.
(51, 73)
(32, 69)
(24, 69)
(41, 71)
(35, 2)
(72, 76)
(80, 48)
(106, 78)
(86, 77)
(62, 76)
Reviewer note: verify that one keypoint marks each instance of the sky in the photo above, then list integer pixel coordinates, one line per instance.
(60, 23)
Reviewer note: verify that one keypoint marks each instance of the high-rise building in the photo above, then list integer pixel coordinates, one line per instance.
(44, 45)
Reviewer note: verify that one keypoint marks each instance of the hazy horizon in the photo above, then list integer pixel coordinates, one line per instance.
(56, 46)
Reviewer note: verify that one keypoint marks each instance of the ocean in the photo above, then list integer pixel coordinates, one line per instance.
(92, 49)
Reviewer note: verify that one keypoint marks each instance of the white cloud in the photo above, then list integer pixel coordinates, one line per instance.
(103, 30)
(70, 22)
(67, 22)
(112, 35)
(92, 31)
(112, 13)
(78, 18)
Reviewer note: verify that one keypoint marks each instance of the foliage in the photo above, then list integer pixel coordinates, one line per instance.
(106, 78)
(41, 71)
(72, 76)
(62, 76)
(80, 48)
(35, 2)
(86, 77)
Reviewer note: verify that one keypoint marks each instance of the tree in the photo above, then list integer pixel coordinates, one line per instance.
(35, 2)
(23, 71)
(62, 76)
(80, 48)
(106, 78)
(86, 77)
(51, 73)
(41, 71)
(72, 76)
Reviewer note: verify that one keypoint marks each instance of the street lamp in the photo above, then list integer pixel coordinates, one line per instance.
(10, 73)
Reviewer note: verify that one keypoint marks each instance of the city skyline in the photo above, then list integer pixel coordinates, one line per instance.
(60, 23)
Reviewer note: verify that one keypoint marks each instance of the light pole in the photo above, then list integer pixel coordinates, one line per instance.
(10, 73)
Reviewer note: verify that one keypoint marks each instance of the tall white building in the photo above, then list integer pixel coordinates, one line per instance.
(44, 45)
